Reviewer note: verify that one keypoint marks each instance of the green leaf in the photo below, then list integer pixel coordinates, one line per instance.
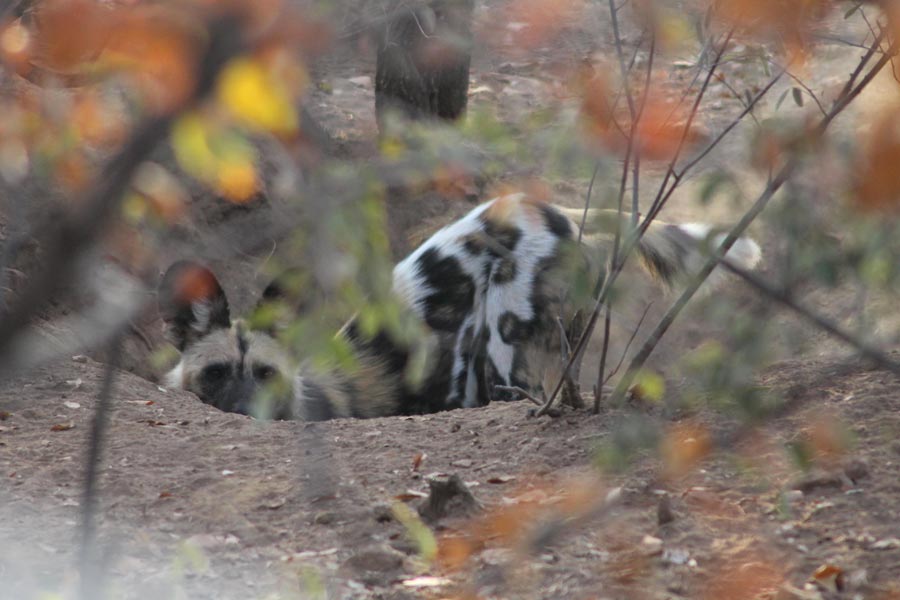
(781, 99)
(417, 531)
(713, 184)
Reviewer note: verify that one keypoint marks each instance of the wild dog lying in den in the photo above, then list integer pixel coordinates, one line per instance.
(489, 288)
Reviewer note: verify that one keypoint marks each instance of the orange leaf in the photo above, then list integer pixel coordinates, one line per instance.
(878, 187)
(454, 552)
(237, 181)
(70, 33)
(683, 446)
(158, 47)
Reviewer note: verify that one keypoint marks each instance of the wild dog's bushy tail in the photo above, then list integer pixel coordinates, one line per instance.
(671, 253)
(674, 253)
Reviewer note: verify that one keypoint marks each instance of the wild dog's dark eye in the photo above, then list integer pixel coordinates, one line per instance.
(216, 373)
(263, 372)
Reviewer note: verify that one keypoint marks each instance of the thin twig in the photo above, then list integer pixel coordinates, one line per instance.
(840, 103)
(627, 247)
(517, 390)
(658, 201)
(89, 567)
(614, 17)
(812, 94)
(715, 142)
(631, 339)
(635, 209)
(640, 359)
(737, 95)
(783, 297)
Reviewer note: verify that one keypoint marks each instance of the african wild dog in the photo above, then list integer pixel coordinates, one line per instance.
(489, 289)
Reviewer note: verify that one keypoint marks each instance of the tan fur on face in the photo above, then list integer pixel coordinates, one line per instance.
(221, 346)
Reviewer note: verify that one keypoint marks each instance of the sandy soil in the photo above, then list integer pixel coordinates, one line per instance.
(200, 504)
(211, 505)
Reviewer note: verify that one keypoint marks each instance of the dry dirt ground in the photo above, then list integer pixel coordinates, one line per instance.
(195, 503)
(200, 504)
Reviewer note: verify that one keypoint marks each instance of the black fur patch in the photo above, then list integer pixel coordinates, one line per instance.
(473, 245)
(467, 351)
(502, 235)
(493, 378)
(243, 345)
(381, 346)
(504, 271)
(557, 222)
(513, 329)
(452, 298)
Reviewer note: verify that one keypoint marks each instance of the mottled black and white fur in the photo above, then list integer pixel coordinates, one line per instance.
(491, 289)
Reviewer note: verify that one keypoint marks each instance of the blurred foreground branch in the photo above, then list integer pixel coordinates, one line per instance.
(77, 233)
(89, 567)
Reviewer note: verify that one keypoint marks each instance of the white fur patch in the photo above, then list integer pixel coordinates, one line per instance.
(202, 312)
(744, 253)
(174, 379)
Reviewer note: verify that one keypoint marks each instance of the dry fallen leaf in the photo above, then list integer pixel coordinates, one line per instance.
(830, 577)
(417, 461)
(651, 545)
(426, 581)
(501, 479)
(62, 427)
(410, 495)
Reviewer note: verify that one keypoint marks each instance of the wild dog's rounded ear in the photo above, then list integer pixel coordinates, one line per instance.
(191, 303)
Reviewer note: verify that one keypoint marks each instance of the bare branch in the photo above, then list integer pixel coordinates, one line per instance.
(77, 233)
(517, 390)
(774, 185)
(783, 297)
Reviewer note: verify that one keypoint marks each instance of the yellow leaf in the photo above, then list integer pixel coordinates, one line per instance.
(190, 141)
(649, 386)
(236, 180)
(219, 157)
(256, 98)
